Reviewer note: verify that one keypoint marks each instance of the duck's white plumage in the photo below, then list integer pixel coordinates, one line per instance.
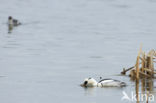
(91, 82)
(111, 83)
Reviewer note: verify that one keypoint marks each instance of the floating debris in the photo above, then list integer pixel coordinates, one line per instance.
(144, 67)
(143, 71)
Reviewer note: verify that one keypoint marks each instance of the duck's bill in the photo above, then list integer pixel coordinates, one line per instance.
(82, 85)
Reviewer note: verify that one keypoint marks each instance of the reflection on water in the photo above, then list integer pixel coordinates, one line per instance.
(146, 92)
(91, 91)
(10, 28)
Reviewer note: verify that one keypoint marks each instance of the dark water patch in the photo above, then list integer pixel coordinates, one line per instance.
(96, 57)
(31, 23)
(121, 6)
(152, 1)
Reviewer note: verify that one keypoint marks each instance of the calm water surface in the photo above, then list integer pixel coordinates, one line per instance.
(61, 42)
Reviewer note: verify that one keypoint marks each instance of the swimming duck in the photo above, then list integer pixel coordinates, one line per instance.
(91, 82)
(13, 22)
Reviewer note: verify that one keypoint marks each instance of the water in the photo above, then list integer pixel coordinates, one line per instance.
(61, 42)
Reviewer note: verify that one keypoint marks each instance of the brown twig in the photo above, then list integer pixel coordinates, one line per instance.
(126, 70)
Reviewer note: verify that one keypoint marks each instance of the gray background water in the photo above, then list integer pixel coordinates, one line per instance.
(61, 42)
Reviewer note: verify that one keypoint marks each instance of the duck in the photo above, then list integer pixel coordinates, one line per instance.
(91, 82)
(13, 22)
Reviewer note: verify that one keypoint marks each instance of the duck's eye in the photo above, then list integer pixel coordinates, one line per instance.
(85, 83)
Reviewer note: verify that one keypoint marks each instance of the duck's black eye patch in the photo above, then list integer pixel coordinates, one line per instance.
(85, 83)
(9, 17)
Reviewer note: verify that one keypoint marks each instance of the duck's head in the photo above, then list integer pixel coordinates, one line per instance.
(89, 82)
(10, 17)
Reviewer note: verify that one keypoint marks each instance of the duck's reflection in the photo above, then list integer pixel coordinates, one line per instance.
(91, 91)
(10, 28)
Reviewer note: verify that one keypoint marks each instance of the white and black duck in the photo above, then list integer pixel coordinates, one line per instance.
(13, 22)
(91, 82)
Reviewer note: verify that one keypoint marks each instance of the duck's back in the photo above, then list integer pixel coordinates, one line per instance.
(111, 83)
